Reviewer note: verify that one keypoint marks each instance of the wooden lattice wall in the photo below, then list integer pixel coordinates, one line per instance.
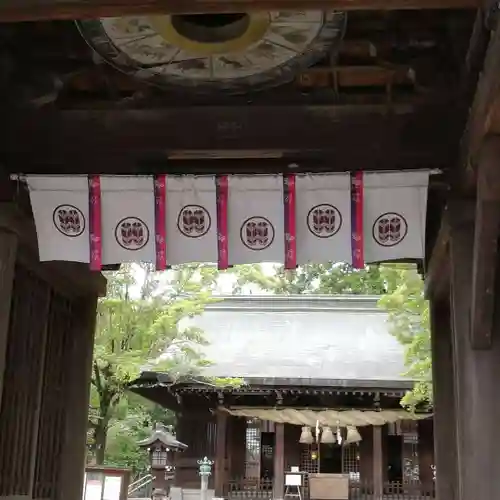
(33, 400)
(46, 338)
(23, 364)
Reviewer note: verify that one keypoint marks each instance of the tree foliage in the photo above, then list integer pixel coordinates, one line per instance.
(333, 279)
(138, 321)
(409, 319)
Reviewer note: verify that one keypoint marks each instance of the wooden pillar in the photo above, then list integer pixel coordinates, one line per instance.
(79, 366)
(220, 455)
(378, 463)
(8, 250)
(425, 452)
(366, 456)
(477, 373)
(237, 447)
(292, 446)
(279, 460)
(444, 400)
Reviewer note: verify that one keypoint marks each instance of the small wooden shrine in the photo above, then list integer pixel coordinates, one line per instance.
(322, 383)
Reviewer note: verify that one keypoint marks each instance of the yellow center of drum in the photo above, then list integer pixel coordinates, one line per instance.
(211, 34)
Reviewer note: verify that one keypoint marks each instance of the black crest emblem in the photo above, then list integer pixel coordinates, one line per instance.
(132, 233)
(390, 229)
(194, 221)
(69, 220)
(324, 221)
(257, 233)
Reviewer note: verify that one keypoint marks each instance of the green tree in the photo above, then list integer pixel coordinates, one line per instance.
(409, 320)
(133, 421)
(332, 279)
(137, 321)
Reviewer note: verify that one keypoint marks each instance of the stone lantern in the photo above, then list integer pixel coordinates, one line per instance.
(162, 447)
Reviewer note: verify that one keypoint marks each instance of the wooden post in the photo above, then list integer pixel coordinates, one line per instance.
(8, 251)
(366, 456)
(378, 463)
(220, 455)
(279, 460)
(444, 400)
(79, 366)
(477, 378)
(425, 452)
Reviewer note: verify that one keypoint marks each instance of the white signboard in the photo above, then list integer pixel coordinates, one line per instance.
(93, 487)
(293, 479)
(112, 488)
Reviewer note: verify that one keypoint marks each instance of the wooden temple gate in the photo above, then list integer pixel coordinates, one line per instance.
(85, 121)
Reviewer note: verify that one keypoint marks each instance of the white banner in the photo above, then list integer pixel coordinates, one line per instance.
(128, 219)
(323, 218)
(386, 218)
(255, 219)
(60, 208)
(394, 211)
(191, 215)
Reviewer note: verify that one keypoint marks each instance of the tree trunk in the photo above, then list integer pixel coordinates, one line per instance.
(100, 438)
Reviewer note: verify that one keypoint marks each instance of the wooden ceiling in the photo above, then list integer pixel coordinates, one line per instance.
(385, 58)
(395, 96)
(36, 10)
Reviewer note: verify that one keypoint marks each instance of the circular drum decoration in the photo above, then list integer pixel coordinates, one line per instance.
(233, 53)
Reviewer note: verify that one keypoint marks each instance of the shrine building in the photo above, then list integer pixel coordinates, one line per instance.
(321, 384)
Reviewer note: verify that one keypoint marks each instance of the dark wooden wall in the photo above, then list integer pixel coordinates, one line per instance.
(197, 429)
(47, 318)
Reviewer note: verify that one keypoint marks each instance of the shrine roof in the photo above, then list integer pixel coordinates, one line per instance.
(302, 340)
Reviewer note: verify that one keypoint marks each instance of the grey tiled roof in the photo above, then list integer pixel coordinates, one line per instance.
(308, 339)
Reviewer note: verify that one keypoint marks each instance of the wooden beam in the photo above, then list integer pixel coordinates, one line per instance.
(378, 463)
(34, 10)
(486, 236)
(477, 372)
(445, 444)
(90, 140)
(98, 78)
(220, 472)
(279, 461)
(8, 253)
(437, 273)
(473, 136)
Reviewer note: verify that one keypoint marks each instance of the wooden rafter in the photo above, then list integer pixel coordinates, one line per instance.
(31, 10)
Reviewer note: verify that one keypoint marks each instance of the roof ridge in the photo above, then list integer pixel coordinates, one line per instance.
(313, 296)
(301, 302)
